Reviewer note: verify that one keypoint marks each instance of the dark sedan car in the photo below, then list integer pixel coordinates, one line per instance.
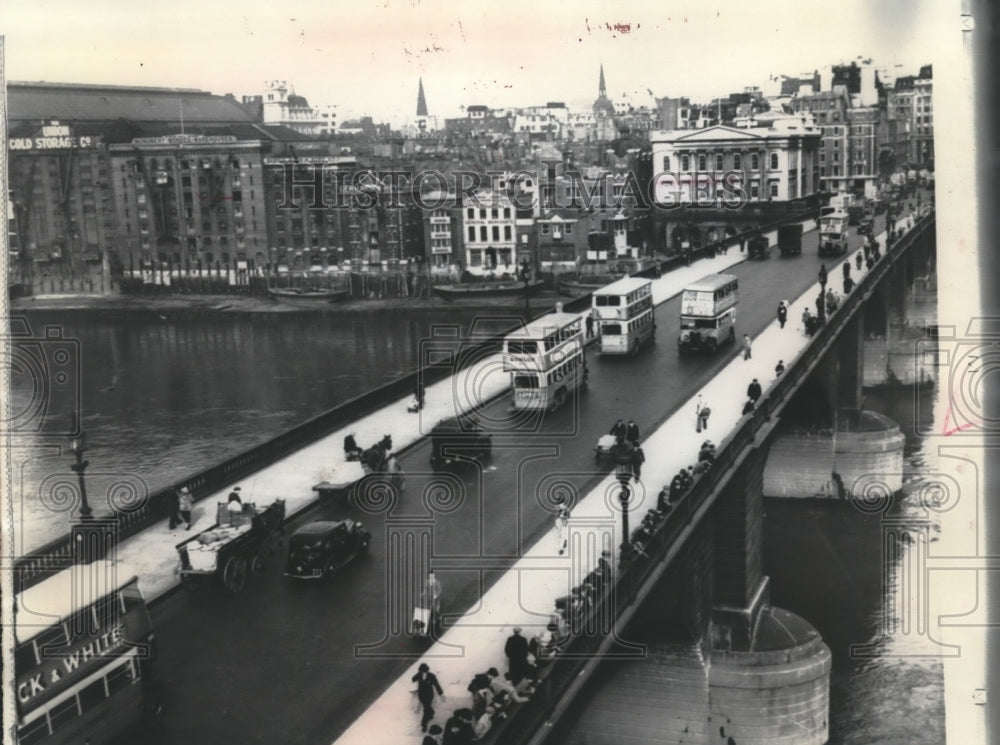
(319, 549)
(459, 439)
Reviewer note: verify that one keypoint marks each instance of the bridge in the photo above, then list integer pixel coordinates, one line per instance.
(706, 547)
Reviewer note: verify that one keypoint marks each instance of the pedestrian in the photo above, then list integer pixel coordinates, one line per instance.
(458, 730)
(743, 244)
(619, 430)
(848, 285)
(782, 313)
(351, 449)
(748, 407)
(822, 275)
(418, 393)
(746, 346)
(590, 326)
(516, 650)
(632, 433)
(858, 259)
(831, 301)
(779, 369)
(562, 529)
(427, 685)
(433, 736)
(701, 412)
(173, 509)
(820, 305)
(235, 503)
(184, 503)
(754, 391)
(432, 593)
(847, 269)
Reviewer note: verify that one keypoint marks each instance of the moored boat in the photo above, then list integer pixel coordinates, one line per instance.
(488, 289)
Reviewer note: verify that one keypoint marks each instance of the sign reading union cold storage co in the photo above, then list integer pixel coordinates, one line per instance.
(54, 136)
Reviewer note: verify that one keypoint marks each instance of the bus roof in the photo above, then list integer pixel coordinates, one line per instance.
(44, 605)
(544, 325)
(711, 282)
(623, 286)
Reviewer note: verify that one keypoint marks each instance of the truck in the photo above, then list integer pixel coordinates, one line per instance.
(833, 234)
(758, 247)
(790, 239)
(854, 214)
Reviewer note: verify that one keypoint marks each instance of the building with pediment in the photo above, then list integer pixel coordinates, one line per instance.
(729, 167)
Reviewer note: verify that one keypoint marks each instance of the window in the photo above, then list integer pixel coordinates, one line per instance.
(701, 163)
(545, 228)
(496, 233)
(472, 233)
(737, 162)
(507, 233)
(685, 163)
(754, 161)
(774, 188)
(482, 213)
(718, 163)
(482, 233)
(470, 213)
(506, 210)
(494, 213)
(754, 191)
(774, 161)
(63, 713)
(666, 162)
(569, 229)
(92, 695)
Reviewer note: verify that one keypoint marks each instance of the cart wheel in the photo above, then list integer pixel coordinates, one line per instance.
(234, 574)
(257, 565)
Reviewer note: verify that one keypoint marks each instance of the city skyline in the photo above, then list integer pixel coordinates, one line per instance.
(367, 60)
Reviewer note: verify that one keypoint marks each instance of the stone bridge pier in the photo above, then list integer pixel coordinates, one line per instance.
(729, 667)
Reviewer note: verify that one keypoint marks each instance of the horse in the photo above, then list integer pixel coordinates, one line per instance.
(376, 457)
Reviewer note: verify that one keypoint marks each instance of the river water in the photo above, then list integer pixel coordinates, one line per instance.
(164, 395)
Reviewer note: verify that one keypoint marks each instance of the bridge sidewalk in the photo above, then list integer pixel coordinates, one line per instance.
(526, 593)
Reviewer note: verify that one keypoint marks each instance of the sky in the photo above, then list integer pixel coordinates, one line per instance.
(366, 57)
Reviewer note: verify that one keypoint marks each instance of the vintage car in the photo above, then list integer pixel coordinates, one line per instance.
(459, 439)
(318, 549)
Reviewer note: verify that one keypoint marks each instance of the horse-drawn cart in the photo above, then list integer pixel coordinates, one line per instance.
(237, 545)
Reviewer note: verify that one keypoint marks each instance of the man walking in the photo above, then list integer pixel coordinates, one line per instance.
(779, 369)
(746, 347)
(701, 412)
(782, 313)
(590, 326)
(516, 650)
(632, 433)
(427, 685)
(754, 391)
(184, 504)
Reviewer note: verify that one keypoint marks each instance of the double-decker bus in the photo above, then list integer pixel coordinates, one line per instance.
(708, 312)
(83, 656)
(623, 311)
(545, 360)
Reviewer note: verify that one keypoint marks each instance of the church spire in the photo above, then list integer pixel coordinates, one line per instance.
(601, 90)
(421, 101)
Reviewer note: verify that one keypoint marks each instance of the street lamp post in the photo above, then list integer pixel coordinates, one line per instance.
(624, 470)
(821, 305)
(78, 446)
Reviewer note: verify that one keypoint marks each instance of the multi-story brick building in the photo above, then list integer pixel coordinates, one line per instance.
(911, 110)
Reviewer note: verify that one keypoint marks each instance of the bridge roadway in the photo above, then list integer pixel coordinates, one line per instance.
(277, 662)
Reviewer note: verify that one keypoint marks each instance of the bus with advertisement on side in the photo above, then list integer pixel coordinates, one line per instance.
(623, 313)
(83, 656)
(545, 360)
(708, 313)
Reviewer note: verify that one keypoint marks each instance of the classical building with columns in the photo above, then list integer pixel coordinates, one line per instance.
(724, 166)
